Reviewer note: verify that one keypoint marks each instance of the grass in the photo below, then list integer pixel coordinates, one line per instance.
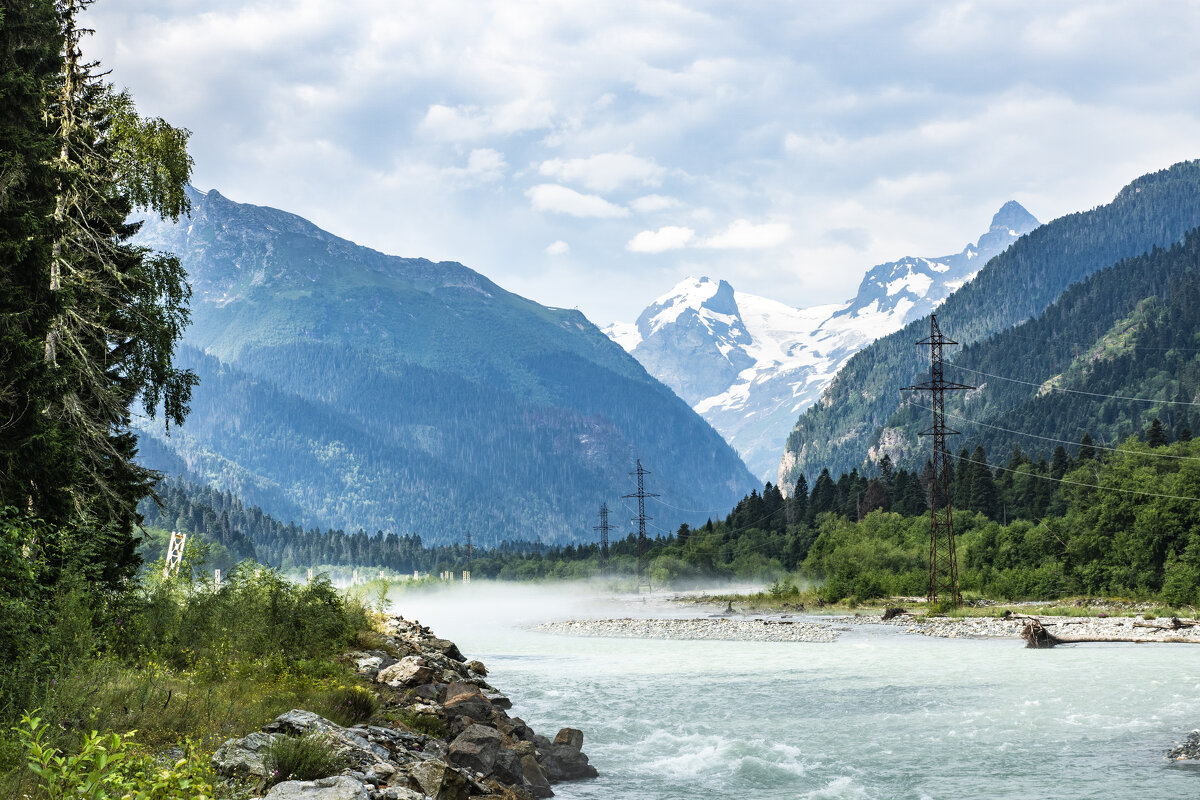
(192, 664)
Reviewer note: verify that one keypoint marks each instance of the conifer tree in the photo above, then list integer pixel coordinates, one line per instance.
(1086, 451)
(799, 500)
(984, 496)
(1155, 435)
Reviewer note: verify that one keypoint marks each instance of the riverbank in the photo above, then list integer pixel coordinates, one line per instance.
(439, 730)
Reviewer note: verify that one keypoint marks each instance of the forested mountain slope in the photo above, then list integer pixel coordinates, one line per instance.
(1113, 353)
(1154, 210)
(398, 394)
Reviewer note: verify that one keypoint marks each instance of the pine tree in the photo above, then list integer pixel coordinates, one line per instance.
(824, 495)
(1086, 451)
(799, 500)
(1155, 435)
(962, 486)
(984, 495)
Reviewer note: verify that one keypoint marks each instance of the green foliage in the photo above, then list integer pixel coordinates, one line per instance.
(302, 758)
(351, 705)
(428, 724)
(107, 766)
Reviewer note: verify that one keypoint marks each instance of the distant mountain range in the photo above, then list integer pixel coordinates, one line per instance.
(346, 388)
(750, 365)
(861, 416)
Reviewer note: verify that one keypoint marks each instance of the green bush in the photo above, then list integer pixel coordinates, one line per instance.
(107, 766)
(351, 705)
(302, 758)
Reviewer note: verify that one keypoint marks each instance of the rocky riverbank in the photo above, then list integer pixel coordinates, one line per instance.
(459, 741)
(1109, 629)
(718, 629)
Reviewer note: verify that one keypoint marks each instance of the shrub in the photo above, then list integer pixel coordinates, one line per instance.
(302, 758)
(107, 766)
(352, 705)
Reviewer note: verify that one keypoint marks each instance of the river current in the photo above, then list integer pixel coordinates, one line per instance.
(876, 714)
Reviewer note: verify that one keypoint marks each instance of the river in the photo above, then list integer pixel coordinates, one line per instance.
(877, 714)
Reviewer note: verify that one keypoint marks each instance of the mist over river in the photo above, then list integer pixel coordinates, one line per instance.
(875, 714)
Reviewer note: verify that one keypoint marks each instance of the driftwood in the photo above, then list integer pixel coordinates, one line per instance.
(891, 612)
(1036, 636)
(1175, 624)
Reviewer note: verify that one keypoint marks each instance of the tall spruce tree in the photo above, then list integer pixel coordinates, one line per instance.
(102, 315)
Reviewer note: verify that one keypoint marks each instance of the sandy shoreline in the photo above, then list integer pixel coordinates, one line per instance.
(814, 628)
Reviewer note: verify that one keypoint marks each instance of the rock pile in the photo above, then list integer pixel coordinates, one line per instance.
(482, 752)
(1187, 751)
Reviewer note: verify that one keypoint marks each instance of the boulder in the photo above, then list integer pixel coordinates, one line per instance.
(367, 664)
(298, 722)
(337, 788)
(243, 758)
(477, 667)
(563, 762)
(428, 691)
(507, 767)
(465, 699)
(496, 699)
(441, 781)
(408, 671)
(475, 749)
(572, 737)
(447, 648)
(535, 778)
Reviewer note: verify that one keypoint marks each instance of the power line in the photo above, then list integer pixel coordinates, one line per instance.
(1064, 441)
(641, 494)
(1075, 391)
(1039, 476)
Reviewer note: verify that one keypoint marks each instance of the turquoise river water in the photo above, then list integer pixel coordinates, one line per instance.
(877, 714)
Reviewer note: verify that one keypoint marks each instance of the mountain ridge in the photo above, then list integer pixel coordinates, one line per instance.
(749, 364)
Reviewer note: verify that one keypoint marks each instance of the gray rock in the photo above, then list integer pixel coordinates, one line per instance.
(1189, 750)
(408, 671)
(298, 722)
(464, 699)
(564, 763)
(477, 667)
(475, 749)
(441, 781)
(337, 788)
(570, 736)
(243, 758)
(535, 778)
(447, 648)
(507, 767)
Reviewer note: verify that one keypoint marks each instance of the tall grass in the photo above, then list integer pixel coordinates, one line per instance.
(179, 660)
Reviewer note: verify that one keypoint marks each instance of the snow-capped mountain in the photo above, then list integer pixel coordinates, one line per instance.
(750, 365)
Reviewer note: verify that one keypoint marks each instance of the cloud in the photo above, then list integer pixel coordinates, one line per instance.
(653, 202)
(484, 165)
(744, 235)
(561, 200)
(661, 240)
(558, 248)
(469, 122)
(604, 172)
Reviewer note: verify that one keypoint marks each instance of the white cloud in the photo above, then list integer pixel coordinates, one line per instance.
(604, 172)
(561, 200)
(744, 235)
(653, 202)
(661, 240)
(469, 122)
(484, 165)
(558, 248)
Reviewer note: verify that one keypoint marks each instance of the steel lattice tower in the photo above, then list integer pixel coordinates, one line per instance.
(469, 551)
(641, 518)
(943, 563)
(603, 528)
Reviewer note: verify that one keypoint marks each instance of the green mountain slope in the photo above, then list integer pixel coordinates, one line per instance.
(388, 393)
(844, 428)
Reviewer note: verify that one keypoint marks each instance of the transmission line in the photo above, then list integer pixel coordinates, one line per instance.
(603, 528)
(1064, 441)
(1039, 476)
(1075, 391)
(641, 494)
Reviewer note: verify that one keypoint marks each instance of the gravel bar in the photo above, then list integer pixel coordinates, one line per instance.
(720, 629)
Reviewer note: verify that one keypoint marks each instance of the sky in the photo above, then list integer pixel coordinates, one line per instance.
(591, 155)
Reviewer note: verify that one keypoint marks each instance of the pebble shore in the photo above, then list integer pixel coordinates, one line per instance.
(774, 628)
(1067, 628)
(718, 629)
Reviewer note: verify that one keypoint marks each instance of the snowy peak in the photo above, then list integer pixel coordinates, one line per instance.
(912, 287)
(750, 365)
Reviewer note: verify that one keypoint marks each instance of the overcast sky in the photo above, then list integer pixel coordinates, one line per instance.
(592, 154)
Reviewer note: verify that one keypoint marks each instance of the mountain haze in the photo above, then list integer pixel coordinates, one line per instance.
(749, 364)
(368, 390)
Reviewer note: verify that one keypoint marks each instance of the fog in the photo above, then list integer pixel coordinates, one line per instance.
(484, 613)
